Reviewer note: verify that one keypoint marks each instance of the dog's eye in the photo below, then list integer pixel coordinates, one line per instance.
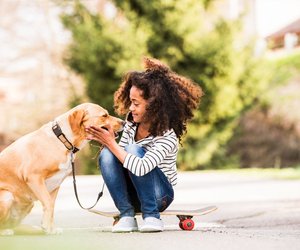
(105, 115)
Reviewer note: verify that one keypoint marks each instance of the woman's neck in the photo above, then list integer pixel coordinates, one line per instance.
(142, 131)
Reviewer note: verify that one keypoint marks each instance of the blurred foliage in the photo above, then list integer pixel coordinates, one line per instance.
(178, 33)
(268, 134)
(284, 68)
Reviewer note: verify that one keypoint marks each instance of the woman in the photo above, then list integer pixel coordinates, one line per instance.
(140, 171)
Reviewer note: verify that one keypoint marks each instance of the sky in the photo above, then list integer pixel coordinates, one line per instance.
(272, 15)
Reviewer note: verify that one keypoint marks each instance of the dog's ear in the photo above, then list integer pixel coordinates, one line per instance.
(76, 119)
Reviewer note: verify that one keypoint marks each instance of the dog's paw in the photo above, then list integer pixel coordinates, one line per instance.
(7, 232)
(58, 230)
(54, 231)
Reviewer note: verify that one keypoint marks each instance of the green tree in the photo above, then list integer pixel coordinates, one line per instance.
(101, 51)
(176, 32)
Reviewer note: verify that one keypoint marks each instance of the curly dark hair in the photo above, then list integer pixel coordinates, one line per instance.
(171, 98)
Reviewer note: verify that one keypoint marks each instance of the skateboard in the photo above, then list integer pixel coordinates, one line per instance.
(184, 216)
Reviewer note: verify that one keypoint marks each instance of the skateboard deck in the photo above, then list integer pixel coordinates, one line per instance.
(184, 216)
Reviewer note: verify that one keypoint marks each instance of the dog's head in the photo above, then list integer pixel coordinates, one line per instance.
(88, 114)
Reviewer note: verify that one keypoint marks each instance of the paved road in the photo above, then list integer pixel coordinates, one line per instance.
(253, 213)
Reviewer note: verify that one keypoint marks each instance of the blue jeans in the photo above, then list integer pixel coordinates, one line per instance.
(150, 194)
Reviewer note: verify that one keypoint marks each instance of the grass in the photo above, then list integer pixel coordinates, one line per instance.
(75, 240)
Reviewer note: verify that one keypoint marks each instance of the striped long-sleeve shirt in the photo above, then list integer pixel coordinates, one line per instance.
(161, 152)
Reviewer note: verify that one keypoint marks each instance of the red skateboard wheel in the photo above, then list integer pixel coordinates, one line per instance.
(187, 224)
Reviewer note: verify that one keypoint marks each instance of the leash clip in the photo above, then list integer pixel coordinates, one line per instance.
(72, 156)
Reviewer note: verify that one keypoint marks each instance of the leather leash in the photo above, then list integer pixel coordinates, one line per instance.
(61, 136)
(75, 186)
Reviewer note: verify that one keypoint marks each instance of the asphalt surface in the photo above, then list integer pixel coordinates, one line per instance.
(254, 212)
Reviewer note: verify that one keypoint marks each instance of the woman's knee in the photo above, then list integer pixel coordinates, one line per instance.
(135, 150)
(106, 157)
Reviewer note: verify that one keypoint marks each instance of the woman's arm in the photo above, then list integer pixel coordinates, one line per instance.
(163, 147)
(107, 139)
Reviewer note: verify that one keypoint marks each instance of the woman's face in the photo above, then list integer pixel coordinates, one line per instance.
(138, 105)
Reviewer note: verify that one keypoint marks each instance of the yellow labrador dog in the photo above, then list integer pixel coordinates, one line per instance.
(34, 166)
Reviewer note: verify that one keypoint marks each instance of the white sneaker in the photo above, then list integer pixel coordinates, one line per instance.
(152, 224)
(125, 225)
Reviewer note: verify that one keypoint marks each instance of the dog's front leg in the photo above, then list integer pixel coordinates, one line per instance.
(38, 187)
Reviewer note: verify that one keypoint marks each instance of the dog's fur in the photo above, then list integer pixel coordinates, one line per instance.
(33, 167)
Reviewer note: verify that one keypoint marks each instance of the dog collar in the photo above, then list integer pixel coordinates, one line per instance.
(61, 136)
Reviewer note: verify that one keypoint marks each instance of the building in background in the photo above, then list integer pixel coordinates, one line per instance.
(288, 37)
(274, 23)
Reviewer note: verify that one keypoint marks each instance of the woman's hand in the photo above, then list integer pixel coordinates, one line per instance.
(105, 136)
